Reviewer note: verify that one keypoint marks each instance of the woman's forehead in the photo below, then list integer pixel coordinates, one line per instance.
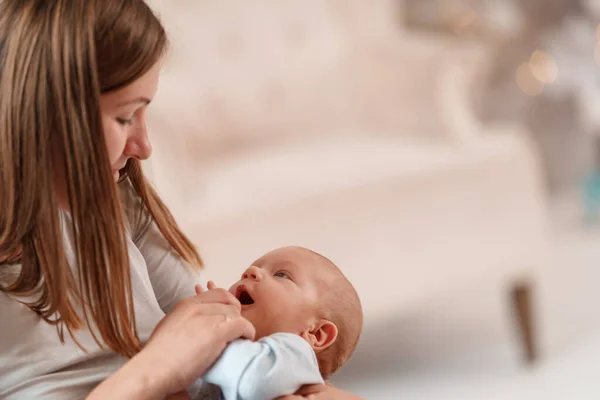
(142, 90)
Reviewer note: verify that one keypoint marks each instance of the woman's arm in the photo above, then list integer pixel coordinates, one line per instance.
(135, 380)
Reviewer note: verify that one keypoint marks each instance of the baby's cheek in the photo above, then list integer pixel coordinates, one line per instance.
(256, 317)
(263, 324)
(248, 315)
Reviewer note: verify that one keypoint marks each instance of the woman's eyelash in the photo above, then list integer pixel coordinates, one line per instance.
(124, 121)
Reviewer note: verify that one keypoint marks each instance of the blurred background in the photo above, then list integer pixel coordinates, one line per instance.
(444, 153)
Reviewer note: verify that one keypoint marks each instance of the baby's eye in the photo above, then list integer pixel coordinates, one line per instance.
(282, 274)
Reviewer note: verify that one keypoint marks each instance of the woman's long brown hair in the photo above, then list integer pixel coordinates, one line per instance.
(56, 59)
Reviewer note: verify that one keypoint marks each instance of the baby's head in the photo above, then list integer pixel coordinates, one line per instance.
(296, 290)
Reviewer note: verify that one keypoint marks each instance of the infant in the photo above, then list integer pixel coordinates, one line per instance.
(308, 320)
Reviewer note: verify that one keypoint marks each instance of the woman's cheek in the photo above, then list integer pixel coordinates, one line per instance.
(115, 144)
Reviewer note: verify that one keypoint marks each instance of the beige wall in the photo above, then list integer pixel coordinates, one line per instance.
(242, 72)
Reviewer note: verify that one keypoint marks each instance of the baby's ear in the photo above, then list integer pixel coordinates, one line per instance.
(321, 336)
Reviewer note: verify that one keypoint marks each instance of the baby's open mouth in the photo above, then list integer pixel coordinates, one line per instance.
(243, 296)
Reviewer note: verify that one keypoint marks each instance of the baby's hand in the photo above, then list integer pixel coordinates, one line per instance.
(210, 285)
(217, 295)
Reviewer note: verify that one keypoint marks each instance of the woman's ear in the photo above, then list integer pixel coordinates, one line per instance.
(322, 335)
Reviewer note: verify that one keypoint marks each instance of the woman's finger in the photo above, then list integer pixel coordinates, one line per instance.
(227, 311)
(237, 327)
(311, 389)
(325, 392)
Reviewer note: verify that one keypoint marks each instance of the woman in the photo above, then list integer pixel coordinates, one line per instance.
(90, 257)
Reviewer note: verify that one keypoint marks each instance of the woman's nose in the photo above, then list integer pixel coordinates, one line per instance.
(253, 273)
(139, 145)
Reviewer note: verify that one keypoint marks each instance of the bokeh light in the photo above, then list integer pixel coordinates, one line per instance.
(527, 82)
(543, 67)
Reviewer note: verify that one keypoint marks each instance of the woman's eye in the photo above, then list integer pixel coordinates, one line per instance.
(124, 121)
(282, 274)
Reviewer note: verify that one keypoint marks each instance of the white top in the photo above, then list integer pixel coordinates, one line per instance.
(274, 366)
(33, 362)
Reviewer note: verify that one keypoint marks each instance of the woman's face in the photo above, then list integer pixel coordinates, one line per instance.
(123, 119)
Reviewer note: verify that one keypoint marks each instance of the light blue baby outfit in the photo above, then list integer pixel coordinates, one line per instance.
(271, 367)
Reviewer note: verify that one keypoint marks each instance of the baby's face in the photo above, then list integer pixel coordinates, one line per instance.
(279, 292)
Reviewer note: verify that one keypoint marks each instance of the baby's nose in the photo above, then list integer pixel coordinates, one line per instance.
(252, 273)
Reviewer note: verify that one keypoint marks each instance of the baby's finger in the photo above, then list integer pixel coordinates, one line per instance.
(211, 285)
(198, 289)
(219, 296)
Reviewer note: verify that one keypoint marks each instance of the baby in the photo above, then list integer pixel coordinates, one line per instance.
(308, 320)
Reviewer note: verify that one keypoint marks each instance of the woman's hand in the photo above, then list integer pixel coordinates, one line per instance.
(320, 392)
(183, 346)
(192, 336)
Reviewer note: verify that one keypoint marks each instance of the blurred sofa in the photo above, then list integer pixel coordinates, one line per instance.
(323, 124)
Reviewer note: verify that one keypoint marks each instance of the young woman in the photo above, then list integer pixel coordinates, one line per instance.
(91, 260)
